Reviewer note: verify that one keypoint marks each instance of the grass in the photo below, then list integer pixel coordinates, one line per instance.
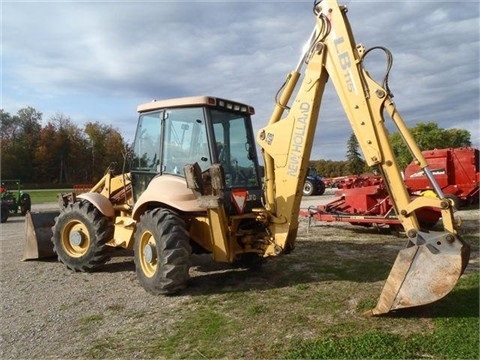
(45, 196)
(196, 333)
(309, 304)
(91, 319)
(304, 322)
(86, 324)
(455, 335)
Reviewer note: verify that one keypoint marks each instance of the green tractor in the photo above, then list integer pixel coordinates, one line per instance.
(13, 201)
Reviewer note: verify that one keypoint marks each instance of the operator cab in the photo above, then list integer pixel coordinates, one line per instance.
(205, 130)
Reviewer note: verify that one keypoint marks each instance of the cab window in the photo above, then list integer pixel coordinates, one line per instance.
(185, 140)
(147, 143)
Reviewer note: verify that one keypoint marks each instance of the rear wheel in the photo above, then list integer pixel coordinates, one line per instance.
(320, 188)
(308, 188)
(80, 235)
(5, 212)
(162, 252)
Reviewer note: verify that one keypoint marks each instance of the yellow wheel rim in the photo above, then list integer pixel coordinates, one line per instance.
(148, 254)
(75, 239)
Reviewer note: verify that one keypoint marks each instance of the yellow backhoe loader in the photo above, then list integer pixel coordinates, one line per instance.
(195, 184)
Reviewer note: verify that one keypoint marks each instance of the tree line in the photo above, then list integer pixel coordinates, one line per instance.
(427, 135)
(58, 153)
(61, 153)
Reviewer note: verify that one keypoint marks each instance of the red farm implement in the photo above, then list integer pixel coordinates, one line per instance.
(364, 200)
(456, 171)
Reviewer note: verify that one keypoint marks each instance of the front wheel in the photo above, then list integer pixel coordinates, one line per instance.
(80, 235)
(308, 188)
(162, 252)
(5, 212)
(25, 204)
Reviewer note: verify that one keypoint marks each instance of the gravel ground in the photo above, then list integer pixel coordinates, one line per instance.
(47, 309)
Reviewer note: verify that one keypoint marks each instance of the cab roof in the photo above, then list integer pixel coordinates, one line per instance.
(195, 101)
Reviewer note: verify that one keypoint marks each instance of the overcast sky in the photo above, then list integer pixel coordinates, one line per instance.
(97, 60)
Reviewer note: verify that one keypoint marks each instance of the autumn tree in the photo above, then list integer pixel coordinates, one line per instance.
(45, 154)
(19, 142)
(428, 136)
(61, 154)
(107, 147)
(8, 131)
(330, 168)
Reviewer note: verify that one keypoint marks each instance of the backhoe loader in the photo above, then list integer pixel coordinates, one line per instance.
(195, 184)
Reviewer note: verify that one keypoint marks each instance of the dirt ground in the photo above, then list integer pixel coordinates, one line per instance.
(46, 308)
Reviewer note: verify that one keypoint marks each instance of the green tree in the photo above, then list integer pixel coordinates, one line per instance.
(458, 137)
(356, 164)
(428, 136)
(8, 126)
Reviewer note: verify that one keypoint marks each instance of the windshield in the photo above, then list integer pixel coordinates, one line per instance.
(185, 140)
(235, 149)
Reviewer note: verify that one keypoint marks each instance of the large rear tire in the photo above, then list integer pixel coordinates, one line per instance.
(162, 252)
(80, 235)
(320, 188)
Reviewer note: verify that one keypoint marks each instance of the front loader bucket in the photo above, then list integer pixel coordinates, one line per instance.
(38, 235)
(424, 273)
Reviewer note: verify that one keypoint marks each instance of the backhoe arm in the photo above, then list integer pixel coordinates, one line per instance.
(431, 265)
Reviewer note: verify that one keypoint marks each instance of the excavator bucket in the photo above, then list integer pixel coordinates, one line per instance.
(424, 273)
(38, 235)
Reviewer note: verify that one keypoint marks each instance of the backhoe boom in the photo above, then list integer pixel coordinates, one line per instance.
(432, 258)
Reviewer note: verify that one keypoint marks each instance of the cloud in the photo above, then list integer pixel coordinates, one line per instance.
(96, 61)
